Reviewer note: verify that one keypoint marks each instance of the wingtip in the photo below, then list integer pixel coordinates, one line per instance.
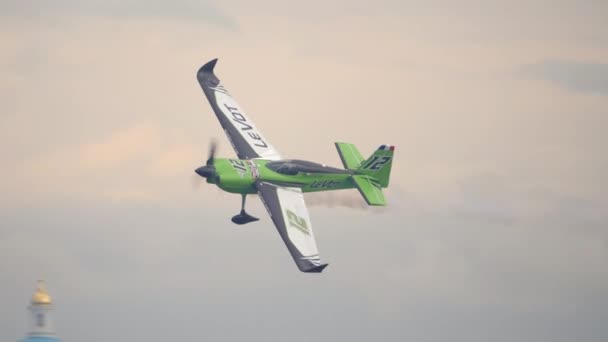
(316, 269)
(209, 66)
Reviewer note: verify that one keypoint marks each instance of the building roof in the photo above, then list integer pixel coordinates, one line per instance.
(41, 297)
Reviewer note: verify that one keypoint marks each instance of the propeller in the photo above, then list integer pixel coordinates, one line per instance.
(212, 149)
(208, 171)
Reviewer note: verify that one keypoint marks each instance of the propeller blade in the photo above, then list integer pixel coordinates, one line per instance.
(212, 149)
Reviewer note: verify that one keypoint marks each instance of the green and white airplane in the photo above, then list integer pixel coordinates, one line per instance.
(280, 183)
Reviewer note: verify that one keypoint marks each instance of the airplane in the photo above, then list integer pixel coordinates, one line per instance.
(280, 183)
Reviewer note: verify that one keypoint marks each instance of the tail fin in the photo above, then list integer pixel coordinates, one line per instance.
(378, 165)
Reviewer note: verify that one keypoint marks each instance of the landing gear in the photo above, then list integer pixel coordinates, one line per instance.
(243, 217)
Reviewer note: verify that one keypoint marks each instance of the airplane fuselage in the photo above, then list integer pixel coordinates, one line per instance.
(240, 176)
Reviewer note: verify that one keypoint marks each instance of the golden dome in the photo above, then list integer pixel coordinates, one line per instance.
(41, 297)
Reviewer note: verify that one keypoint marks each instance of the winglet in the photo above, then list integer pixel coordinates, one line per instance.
(208, 67)
(205, 75)
(317, 269)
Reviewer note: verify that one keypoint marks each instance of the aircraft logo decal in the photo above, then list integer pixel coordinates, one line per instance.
(254, 169)
(297, 222)
(328, 184)
(242, 123)
(239, 166)
(376, 163)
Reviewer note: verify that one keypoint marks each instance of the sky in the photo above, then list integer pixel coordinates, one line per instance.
(496, 227)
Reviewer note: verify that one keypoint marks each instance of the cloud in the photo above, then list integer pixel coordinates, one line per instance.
(122, 146)
(191, 10)
(136, 163)
(117, 262)
(582, 77)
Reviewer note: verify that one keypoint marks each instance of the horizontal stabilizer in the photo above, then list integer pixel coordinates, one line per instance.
(351, 158)
(370, 190)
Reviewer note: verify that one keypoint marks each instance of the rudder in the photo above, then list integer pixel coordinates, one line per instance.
(379, 165)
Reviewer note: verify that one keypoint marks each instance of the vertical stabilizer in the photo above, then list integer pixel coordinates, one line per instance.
(379, 165)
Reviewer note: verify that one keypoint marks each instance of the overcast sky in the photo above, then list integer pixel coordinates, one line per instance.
(497, 228)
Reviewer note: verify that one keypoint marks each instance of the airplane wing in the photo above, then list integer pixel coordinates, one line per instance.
(288, 212)
(246, 139)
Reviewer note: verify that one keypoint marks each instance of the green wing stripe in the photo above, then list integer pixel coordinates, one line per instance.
(369, 189)
(350, 155)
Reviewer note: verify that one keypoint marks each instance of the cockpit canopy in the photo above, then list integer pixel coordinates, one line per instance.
(293, 167)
